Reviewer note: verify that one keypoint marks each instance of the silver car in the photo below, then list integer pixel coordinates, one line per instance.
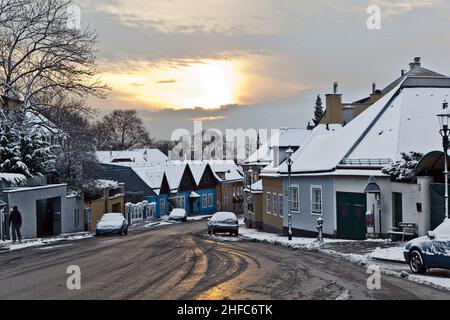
(223, 222)
(112, 223)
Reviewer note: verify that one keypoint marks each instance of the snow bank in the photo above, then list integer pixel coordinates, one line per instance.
(27, 243)
(390, 254)
(197, 218)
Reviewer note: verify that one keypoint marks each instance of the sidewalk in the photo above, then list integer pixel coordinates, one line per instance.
(8, 245)
(384, 254)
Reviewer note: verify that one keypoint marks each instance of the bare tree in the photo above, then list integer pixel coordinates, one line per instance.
(76, 151)
(41, 55)
(121, 130)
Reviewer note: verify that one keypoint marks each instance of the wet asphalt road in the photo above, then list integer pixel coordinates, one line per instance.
(181, 262)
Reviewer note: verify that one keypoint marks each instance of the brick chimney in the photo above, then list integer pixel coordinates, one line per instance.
(334, 106)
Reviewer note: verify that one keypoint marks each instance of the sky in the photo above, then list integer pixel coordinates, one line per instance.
(254, 63)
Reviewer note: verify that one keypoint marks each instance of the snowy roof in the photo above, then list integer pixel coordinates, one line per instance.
(12, 178)
(226, 170)
(325, 151)
(137, 156)
(403, 120)
(256, 187)
(284, 137)
(152, 176)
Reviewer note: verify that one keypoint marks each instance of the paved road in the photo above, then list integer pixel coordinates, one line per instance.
(181, 262)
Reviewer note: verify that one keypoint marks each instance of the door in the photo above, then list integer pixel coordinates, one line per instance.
(397, 207)
(437, 204)
(351, 218)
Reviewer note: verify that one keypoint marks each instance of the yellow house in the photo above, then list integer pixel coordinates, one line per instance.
(99, 202)
(272, 205)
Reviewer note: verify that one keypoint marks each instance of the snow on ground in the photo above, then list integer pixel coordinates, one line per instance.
(222, 237)
(37, 242)
(390, 254)
(196, 218)
(390, 260)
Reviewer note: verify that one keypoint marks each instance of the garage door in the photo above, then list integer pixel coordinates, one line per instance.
(351, 215)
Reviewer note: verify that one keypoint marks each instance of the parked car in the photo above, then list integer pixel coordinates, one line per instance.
(223, 222)
(430, 251)
(178, 215)
(112, 223)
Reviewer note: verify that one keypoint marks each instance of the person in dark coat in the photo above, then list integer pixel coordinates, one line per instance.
(15, 219)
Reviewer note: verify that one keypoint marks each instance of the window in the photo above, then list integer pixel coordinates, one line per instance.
(316, 199)
(280, 205)
(294, 198)
(210, 200)
(162, 207)
(204, 203)
(268, 201)
(274, 204)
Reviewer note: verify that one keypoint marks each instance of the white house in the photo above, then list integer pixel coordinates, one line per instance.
(330, 172)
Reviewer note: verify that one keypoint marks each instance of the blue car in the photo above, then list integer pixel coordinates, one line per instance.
(112, 223)
(430, 251)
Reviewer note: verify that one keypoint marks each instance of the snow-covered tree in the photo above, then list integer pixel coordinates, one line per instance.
(77, 150)
(23, 148)
(404, 169)
(318, 111)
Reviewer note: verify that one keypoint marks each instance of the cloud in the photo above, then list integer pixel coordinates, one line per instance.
(166, 81)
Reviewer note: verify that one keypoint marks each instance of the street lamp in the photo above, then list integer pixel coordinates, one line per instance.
(250, 196)
(445, 132)
(289, 162)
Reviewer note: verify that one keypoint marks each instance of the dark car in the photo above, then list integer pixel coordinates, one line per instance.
(430, 251)
(223, 222)
(112, 223)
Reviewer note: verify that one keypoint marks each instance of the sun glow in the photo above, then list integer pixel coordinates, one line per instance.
(181, 84)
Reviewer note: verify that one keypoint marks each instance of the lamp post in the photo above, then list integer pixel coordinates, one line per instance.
(250, 197)
(289, 162)
(445, 132)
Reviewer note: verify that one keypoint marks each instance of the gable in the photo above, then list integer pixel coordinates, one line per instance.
(187, 181)
(208, 179)
(165, 188)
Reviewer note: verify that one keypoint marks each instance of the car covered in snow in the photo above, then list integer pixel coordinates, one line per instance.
(112, 223)
(178, 214)
(430, 251)
(223, 222)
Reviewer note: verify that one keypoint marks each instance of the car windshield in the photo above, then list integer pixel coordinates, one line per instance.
(111, 218)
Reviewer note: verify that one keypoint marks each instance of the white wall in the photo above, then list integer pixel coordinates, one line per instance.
(25, 199)
(68, 221)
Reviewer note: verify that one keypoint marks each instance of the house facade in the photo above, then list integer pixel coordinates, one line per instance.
(331, 171)
(46, 210)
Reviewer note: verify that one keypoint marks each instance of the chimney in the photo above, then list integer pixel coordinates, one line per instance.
(374, 88)
(335, 88)
(417, 61)
(403, 72)
(411, 66)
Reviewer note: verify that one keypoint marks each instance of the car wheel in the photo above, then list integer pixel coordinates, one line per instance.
(416, 263)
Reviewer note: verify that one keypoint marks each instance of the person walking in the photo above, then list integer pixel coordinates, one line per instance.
(15, 219)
